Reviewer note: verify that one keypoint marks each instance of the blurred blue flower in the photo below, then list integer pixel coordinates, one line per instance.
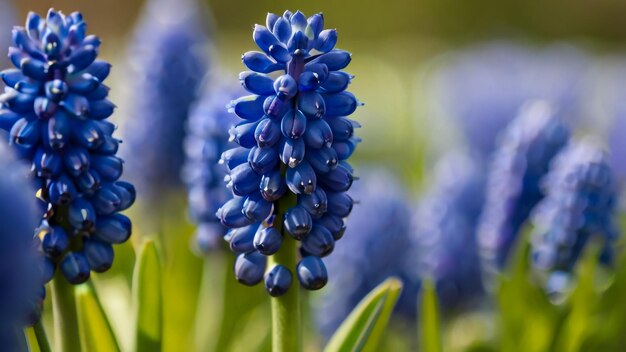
(294, 141)
(525, 149)
(444, 230)
(21, 282)
(483, 89)
(167, 60)
(55, 109)
(206, 140)
(579, 207)
(377, 245)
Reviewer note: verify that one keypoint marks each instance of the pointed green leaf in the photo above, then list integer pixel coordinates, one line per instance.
(429, 319)
(380, 325)
(371, 314)
(148, 298)
(94, 328)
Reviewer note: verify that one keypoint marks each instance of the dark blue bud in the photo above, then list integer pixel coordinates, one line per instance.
(33, 68)
(55, 241)
(260, 62)
(99, 254)
(312, 273)
(126, 193)
(257, 83)
(334, 224)
(248, 107)
(99, 69)
(298, 222)
(75, 267)
(273, 186)
(56, 90)
(345, 149)
(337, 82)
(243, 134)
(267, 42)
(267, 133)
(318, 134)
(268, 240)
(287, 15)
(335, 60)
(7, 119)
(47, 164)
(82, 84)
(315, 203)
(327, 40)
(298, 21)
(242, 239)
(282, 30)
(116, 228)
(234, 157)
(51, 44)
(312, 105)
(321, 70)
(338, 179)
(293, 124)
(109, 146)
(298, 44)
(271, 20)
(322, 160)
(275, 107)
(319, 242)
(341, 127)
(263, 160)
(76, 104)
(301, 179)
(62, 190)
(256, 208)
(285, 87)
(56, 23)
(76, 161)
(86, 133)
(25, 132)
(315, 26)
(250, 267)
(48, 270)
(278, 281)
(33, 22)
(89, 182)
(308, 81)
(291, 151)
(230, 213)
(340, 104)
(82, 57)
(45, 108)
(101, 109)
(243, 180)
(12, 77)
(108, 167)
(106, 200)
(339, 204)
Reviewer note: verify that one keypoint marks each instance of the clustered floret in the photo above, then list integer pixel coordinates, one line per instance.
(294, 141)
(55, 108)
(579, 207)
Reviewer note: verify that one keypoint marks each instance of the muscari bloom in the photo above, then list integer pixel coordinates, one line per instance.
(21, 282)
(444, 231)
(483, 89)
(167, 62)
(207, 138)
(294, 141)
(522, 158)
(578, 208)
(377, 245)
(55, 108)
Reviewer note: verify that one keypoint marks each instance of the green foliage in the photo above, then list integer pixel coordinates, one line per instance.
(364, 327)
(94, 328)
(148, 300)
(429, 319)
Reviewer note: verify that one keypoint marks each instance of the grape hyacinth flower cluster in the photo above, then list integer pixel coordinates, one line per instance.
(377, 245)
(294, 141)
(578, 208)
(55, 108)
(21, 282)
(444, 231)
(206, 140)
(168, 60)
(526, 148)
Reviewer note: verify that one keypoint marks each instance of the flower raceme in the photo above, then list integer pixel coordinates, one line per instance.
(294, 140)
(55, 108)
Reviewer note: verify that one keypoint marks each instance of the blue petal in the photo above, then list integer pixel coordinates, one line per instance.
(291, 151)
(76, 104)
(273, 186)
(260, 62)
(339, 204)
(268, 240)
(25, 132)
(275, 107)
(99, 69)
(282, 30)
(312, 105)
(33, 68)
(319, 242)
(108, 167)
(298, 21)
(61, 191)
(55, 242)
(337, 82)
(318, 134)
(113, 229)
(12, 76)
(301, 179)
(293, 124)
(83, 57)
(76, 160)
(308, 81)
(298, 44)
(89, 182)
(127, 194)
(81, 214)
(257, 83)
(263, 160)
(25, 43)
(86, 133)
(267, 42)
(338, 179)
(285, 87)
(52, 45)
(256, 208)
(345, 149)
(335, 59)
(101, 109)
(242, 239)
(342, 128)
(278, 281)
(315, 203)
(99, 255)
(230, 214)
(47, 164)
(334, 224)
(340, 104)
(267, 133)
(244, 180)
(321, 70)
(243, 134)
(250, 267)
(315, 25)
(312, 273)
(270, 20)
(7, 119)
(83, 83)
(248, 107)
(234, 157)
(75, 268)
(34, 24)
(298, 222)
(322, 160)
(106, 201)
(56, 23)
(327, 40)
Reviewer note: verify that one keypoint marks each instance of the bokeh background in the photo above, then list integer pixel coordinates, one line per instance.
(440, 79)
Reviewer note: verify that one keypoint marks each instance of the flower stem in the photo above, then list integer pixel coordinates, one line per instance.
(286, 314)
(42, 337)
(66, 336)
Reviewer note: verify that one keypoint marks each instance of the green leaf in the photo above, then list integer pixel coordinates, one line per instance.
(429, 319)
(148, 298)
(94, 328)
(367, 319)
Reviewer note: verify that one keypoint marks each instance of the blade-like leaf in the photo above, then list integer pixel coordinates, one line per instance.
(429, 319)
(148, 298)
(380, 325)
(355, 331)
(94, 328)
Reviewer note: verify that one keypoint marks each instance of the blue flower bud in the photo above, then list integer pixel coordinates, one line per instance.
(263, 160)
(230, 213)
(273, 186)
(312, 273)
(259, 62)
(267, 240)
(75, 267)
(81, 214)
(243, 180)
(242, 239)
(312, 105)
(55, 241)
(62, 190)
(298, 222)
(315, 203)
(113, 229)
(257, 83)
(278, 281)
(249, 107)
(293, 124)
(323, 160)
(338, 179)
(301, 179)
(235, 157)
(291, 151)
(99, 255)
(339, 204)
(334, 224)
(285, 87)
(267, 133)
(335, 60)
(76, 161)
(319, 242)
(318, 134)
(256, 208)
(250, 267)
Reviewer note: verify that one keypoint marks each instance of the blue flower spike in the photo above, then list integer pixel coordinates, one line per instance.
(294, 140)
(55, 109)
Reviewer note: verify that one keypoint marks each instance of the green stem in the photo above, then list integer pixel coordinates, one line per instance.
(42, 337)
(66, 336)
(286, 314)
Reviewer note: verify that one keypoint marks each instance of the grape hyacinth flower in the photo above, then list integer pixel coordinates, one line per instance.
(578, 208)
(377, 245)
(55, 108)
(167, 62)
(289, 175)
(444, 231)
(206, 140)
(526, 148)
(21, 282)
